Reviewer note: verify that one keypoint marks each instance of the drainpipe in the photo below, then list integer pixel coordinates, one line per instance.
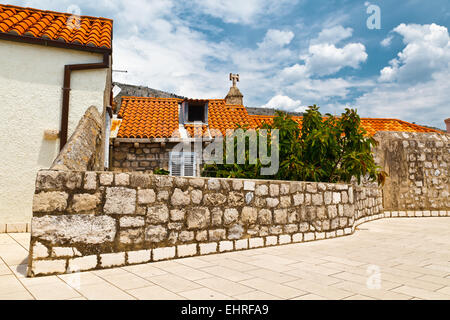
(66, 92)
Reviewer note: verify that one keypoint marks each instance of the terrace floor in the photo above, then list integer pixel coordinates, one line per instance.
(385, 259)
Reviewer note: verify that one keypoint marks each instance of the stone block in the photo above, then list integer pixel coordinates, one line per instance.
(238, 185)
(299, 199)
(120, 200)
(207, 248)
(140, 256)
(155, 234)
(272, 202)
(274, 190)
(131, 236)
(65, 252)
(214, 184)
(249, 215)
(187, 250)
(16, 227)
(230, 216)
(131, 222)
(214, 199)
(87, 229)
(280, 216)
(261, 190)
(85, 202)
(256, 242)
(309, 236)
(297, 237)
(47, 267)
(249, 185)
(146, 196)
(198, 218)
(82, 264)
(196, 196)
(158, 214)
(90, 181)
(186, 236)
(271, 240)
(216, 217)
(320, 235)
(225, 246)
(241, 244)
(50, 201)
(180, 198)
(163, 253)
(106, 179)
(201, 236)
(285, 238)
(40, 251)
(265, 217)
(177, 214)
(112, 259)
(235, 232)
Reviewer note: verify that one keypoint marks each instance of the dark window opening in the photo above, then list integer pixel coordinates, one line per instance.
(196, 112)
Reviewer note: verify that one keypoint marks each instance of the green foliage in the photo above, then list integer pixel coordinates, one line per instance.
(161, 172)
(326, 149)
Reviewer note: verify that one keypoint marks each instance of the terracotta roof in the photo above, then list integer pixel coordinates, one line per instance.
(145, 118)
(158, 118)
(49, 25)
(371, 125)
(148, 117)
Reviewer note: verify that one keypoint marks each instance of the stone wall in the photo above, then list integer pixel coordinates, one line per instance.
(84, 150)
(93, 220)
(418, 168)
(128, 156)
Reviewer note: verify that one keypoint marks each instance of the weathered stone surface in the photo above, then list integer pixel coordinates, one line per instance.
(197, 183)
(214, 199)
(280, 216)
(122, 179)
(249, 215)
(299, 199)
(238, 185)
(317, 199)
(140, 180)
(198, 218)
(158, 214)
(249, 198)
(196, 196)
(146, 196)
(48, 180)
(262, 190)
(214, 184)
(285, 201)
(74, 228)
(131, 236)
(216, 217)
(180, 198)
(155, 233)
(186, 236)
(85, 202)
(120, 200)
(177, 214)
(274, 190)
(249, 185)
(90, 181)
(163, 195)
(235, 199)
(132, 222)
(60, 252)
(265, 217)
(235, 232)
(272, 202)
(285, 188)
(106, 179)
(40, 251)
(217, 234)
(47, 267)
(201, 236)
(50, 201)
(230, 216)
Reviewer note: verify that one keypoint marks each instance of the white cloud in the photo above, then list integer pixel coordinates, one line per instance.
(326, 59)
(282, 102)
(333, 35)
(241, 11)
(386, 42)
(415, 86)
(427, 51)
(276, 38)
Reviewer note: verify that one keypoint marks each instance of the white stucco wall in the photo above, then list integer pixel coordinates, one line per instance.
(31, 80)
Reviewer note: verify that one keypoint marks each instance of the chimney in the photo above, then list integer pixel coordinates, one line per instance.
(234, 96)
(447, 122)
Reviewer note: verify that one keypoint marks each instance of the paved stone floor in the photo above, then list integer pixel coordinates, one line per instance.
(384, 259)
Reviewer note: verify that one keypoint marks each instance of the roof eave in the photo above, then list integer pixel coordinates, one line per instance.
(53, 43)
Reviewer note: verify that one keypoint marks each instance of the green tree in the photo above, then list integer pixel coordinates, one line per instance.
(325, 149)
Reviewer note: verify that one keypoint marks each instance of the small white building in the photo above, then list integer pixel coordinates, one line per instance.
(53, 67)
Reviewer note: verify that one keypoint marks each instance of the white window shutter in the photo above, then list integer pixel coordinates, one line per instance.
(189, 164)
(182, 164)
(176, 164)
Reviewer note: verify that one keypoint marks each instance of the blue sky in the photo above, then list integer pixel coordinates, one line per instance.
(289, 53)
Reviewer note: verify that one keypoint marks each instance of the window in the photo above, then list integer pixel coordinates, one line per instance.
(182, 164)
(195, 111)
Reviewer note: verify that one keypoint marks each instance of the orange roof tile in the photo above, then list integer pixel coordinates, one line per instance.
(371, 125)
(49, 25)
(144, 118)
(158, 118)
